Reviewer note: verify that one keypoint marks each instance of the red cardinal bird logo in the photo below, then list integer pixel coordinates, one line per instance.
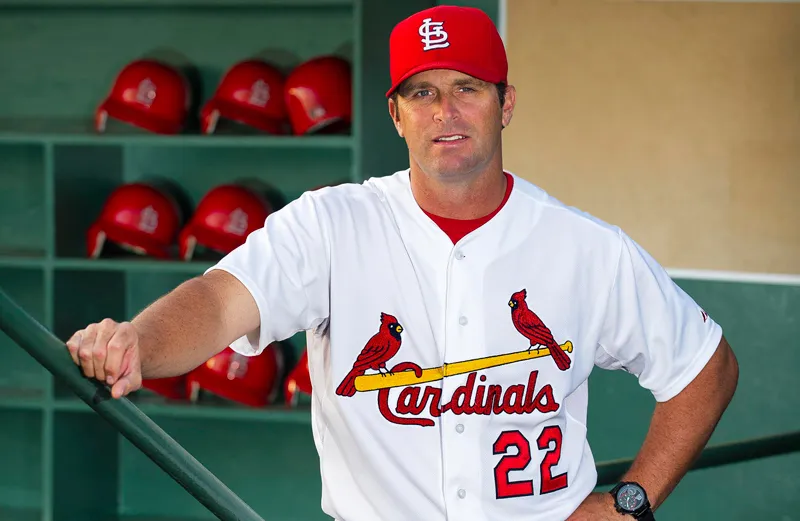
(379, 350)
(532, 328)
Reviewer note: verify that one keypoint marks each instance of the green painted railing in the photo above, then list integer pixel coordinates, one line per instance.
(123, 415)
(609, 472)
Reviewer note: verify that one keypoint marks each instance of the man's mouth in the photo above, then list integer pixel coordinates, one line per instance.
(450, 138)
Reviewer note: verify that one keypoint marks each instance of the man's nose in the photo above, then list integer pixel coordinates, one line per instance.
(447, 109)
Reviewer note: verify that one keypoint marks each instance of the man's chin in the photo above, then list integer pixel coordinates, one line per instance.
(449, 170)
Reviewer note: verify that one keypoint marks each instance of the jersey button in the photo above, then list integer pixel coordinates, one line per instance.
(459, 428)
(463, 321)
(459, 255)
(462, 493)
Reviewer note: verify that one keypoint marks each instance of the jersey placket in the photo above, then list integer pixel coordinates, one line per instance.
(459, 434)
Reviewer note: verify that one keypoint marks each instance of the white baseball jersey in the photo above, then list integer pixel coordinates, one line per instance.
(439, 393)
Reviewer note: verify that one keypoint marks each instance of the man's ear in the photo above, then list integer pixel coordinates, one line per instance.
(508, 105)
(394, 112)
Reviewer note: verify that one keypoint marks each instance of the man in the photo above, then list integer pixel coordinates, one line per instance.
(455, 312)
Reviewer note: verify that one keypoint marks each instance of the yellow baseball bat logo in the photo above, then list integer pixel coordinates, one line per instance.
(374, 382)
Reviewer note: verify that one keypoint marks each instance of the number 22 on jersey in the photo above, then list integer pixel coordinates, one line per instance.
(549, 440)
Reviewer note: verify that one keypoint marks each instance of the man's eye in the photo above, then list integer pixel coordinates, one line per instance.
(421, 93)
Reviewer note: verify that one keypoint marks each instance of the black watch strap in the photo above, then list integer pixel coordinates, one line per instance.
(647, 515)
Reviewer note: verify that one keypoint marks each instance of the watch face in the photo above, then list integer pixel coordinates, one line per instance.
(630, 497)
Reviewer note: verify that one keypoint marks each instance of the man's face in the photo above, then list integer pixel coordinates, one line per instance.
(451, 122)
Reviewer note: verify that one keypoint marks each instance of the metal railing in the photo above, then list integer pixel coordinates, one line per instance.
(609, 472)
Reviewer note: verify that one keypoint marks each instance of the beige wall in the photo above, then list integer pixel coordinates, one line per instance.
(678, 121)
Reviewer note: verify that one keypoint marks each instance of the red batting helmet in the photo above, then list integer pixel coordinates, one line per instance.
(226, 215)
(318, 94)
(298, 381)
(147, 94)
(253, 381)
(173, 387)
(138, 217)
(251, 93)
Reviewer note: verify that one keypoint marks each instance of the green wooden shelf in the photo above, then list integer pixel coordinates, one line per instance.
(132, 264)
(21, 399)
(80, 132)
(219, 4)
(161, 518)
(24, 260)
(269, 414)
(267, 516)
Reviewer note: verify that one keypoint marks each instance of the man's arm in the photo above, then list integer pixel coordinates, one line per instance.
(192, 323)
(681, 427)
(679, 430)
(172, 336)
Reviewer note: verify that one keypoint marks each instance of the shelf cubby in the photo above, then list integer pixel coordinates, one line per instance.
(21, 481)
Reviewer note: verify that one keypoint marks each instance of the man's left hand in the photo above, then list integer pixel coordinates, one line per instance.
(598, 507)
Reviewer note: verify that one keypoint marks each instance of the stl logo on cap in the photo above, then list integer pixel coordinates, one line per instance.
(433, 35)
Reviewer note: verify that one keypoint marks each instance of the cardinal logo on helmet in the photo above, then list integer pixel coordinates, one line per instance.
(146, 92)
(237, 222)
(148, 220)
(259, 93)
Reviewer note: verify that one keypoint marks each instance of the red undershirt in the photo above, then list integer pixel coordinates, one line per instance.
(458, 228)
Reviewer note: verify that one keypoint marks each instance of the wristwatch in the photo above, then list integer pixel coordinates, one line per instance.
(631, 499)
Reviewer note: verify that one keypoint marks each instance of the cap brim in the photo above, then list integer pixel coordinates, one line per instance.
(138, 118)
(466, 68)
(210, 239)
(137, 240)
(241, 115)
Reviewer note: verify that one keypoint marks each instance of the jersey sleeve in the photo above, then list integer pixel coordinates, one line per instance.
(652, 328)
(285, 267)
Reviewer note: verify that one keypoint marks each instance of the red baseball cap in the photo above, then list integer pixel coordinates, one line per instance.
(447, 37)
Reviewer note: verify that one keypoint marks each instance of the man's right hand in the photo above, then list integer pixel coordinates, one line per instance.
(109, 352)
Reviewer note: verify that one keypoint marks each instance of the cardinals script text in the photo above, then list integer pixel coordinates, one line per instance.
(467, 399)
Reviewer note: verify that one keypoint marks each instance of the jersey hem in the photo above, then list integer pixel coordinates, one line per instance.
(698, 363)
